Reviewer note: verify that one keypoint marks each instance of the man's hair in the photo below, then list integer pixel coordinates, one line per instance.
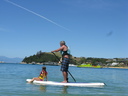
(62, 42)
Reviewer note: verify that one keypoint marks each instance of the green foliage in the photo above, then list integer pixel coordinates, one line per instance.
(41, 57)
(94, 61)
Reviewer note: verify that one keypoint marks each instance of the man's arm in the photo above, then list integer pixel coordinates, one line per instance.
(58, 49)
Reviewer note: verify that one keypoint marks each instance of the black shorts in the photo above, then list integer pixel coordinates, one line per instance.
(65, 65)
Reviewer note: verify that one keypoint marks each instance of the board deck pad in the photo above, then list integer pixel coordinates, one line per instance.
(67, 84)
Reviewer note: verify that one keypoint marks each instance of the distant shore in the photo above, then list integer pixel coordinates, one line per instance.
(119, 67)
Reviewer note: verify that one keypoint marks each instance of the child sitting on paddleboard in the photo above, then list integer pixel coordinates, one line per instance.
(42, 76)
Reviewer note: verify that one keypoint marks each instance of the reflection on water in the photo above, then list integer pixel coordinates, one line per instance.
(64, 90)
(60, 89)
(43, 88)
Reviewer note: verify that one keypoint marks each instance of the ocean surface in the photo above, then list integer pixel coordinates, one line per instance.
(13, 81)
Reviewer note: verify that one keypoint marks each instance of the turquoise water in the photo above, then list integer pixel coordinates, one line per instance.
(13, 81)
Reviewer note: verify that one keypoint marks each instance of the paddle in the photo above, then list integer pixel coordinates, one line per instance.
(61, 62)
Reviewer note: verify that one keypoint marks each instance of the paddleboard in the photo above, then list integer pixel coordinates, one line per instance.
(67, 84)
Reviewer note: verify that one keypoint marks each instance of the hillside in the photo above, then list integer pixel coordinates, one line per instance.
(10, 60)
(41, 57)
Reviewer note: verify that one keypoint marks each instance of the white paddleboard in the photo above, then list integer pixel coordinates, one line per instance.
(67, 84)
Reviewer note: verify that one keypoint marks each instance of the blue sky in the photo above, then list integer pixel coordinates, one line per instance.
(91, 28)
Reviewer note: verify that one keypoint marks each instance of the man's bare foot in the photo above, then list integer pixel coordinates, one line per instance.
(64, 82)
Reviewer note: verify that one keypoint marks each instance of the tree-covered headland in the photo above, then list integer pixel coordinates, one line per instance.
(41, 57)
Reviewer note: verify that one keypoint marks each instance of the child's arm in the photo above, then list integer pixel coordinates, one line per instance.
(46, 78)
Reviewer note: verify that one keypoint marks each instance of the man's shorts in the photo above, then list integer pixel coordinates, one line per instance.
(65, 65)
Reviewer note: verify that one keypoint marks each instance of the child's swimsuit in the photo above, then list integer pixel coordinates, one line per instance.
(43, 74)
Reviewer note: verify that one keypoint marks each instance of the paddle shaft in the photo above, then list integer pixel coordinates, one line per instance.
(61, 62)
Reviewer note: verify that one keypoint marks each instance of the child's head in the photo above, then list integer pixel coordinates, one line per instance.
(43, 68)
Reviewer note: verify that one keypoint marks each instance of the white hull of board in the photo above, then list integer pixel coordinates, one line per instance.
(67, 84)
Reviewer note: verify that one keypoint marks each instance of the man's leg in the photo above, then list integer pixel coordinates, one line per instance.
(64, 69)
(65, 75)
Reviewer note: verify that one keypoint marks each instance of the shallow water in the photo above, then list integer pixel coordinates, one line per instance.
(13, 81)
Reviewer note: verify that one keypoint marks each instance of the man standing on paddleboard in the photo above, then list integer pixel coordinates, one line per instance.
(64, 50)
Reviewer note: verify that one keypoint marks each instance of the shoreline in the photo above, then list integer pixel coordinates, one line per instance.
(118, 67)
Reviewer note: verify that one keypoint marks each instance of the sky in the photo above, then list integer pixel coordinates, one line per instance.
(91, 28)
